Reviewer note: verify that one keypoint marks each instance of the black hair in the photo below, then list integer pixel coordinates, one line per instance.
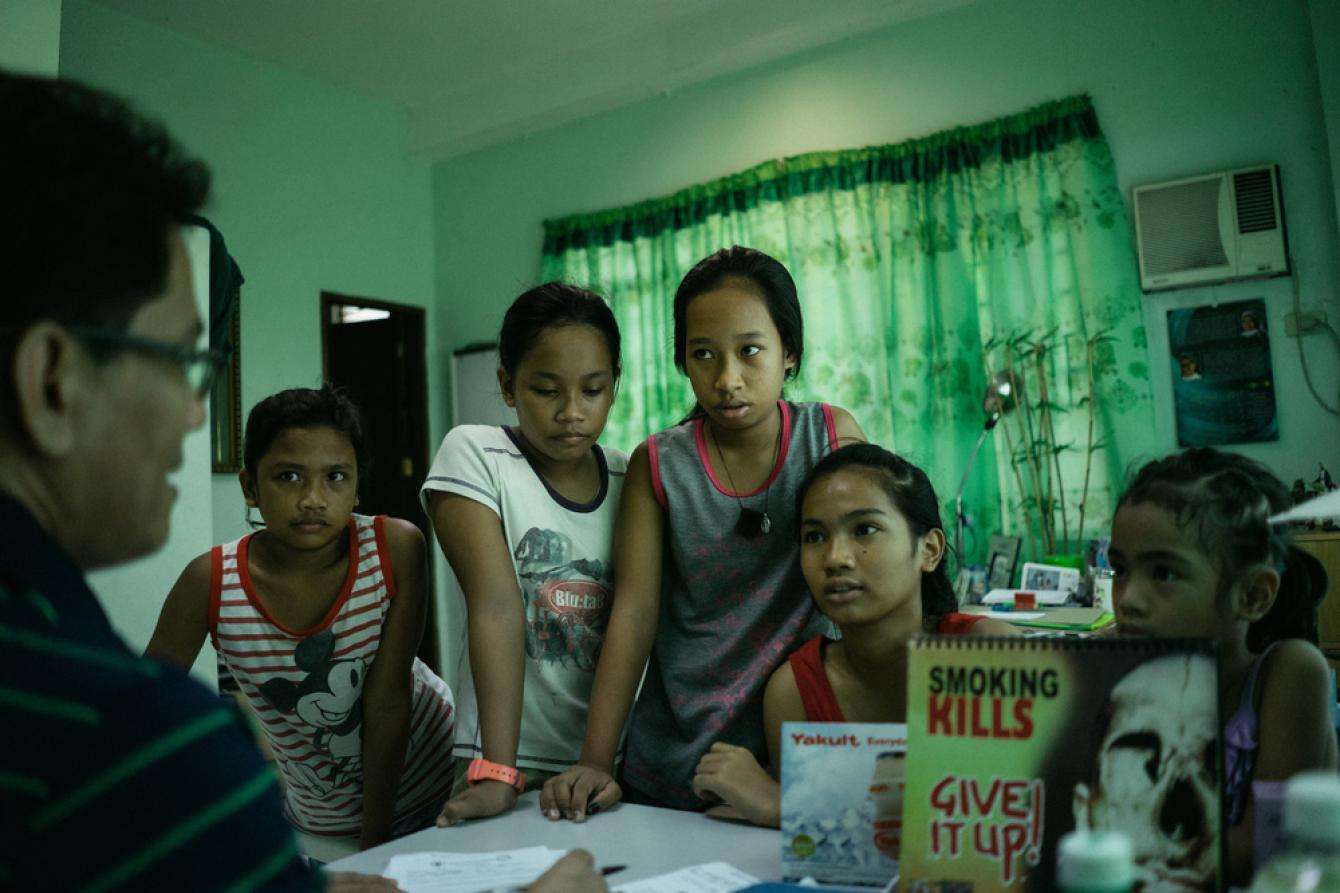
(90, 190)
(764, 274)
(324, 407)
(548, 306)
(1229, 500)
(911, 493)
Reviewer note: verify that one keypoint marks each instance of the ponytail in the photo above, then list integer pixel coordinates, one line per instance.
(1293, 615)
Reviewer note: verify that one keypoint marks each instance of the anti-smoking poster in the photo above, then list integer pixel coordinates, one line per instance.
(1223, 388)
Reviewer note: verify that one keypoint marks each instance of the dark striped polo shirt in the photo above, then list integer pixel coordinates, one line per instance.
(118, 772)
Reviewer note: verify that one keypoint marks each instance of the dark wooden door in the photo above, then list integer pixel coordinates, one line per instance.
(375, 351)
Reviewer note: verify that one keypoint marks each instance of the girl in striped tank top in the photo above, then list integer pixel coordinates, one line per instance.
(317, 617)
(872, 549)
(707, 593)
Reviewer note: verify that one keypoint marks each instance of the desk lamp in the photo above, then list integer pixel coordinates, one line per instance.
(1002, 396)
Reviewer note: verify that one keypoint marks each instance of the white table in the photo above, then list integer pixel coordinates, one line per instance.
(648, 840)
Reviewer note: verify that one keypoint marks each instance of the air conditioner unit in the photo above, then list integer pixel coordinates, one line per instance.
(1212, 228)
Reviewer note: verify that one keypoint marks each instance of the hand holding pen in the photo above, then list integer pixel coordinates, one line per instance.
(575, 872)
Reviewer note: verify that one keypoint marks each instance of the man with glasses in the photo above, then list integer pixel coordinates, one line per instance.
(115, 772)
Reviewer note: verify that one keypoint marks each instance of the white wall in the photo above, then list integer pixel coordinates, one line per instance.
(132, 594)
(1180, 88)
(30, 36)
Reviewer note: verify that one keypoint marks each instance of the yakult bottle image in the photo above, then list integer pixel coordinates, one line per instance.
(886, 791)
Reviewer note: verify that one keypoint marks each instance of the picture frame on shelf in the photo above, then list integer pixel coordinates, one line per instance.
(1002, 558)
(1049, 577)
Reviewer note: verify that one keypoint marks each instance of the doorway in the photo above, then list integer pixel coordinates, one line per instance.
(375, 351)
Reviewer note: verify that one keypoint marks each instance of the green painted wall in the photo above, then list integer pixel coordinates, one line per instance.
(30, 35)
(313, 189)
(1180, 89)
(1326, 37)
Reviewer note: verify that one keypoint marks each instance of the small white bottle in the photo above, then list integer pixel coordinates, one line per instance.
(1310, 859)
(1094, 862)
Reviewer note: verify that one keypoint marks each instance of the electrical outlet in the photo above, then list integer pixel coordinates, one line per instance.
(1305, 322)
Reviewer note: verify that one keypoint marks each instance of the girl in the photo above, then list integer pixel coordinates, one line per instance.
(1195, 555)
(872, 551)
(525, 517)
(705, 556)
(317, 618)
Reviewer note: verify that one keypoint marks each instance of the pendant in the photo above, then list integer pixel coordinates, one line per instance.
(753, 523)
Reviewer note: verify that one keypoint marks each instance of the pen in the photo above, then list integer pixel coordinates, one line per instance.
(604, 872)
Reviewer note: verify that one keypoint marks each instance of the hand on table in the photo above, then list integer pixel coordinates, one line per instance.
(732, 774)
(568, 794)
(479, 801)
(349, 882)
(574, 873)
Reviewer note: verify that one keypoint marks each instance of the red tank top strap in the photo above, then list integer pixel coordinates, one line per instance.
(807, 665)
(215, 590)
(956, 624)
(654, 460)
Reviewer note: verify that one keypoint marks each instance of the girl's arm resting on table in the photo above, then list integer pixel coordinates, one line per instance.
(638, 540)
(184, 621)
(389, 689)
(844, 423)
(732, 774)
(471, 536)
(1295, 733)
(992, 627)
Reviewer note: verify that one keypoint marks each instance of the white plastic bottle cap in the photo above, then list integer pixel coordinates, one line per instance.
(1312, 807)
(1094, 860)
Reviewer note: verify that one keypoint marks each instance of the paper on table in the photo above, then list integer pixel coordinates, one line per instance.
(469, 872)
(710, 877)
(1043, 596)
(1327, 505)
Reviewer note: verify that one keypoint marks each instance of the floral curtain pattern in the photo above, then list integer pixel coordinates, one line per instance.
(915, 262)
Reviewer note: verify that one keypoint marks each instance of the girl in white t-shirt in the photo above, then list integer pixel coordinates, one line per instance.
(525, 516)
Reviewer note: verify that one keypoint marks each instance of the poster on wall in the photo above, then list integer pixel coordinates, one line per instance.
(1223, 389)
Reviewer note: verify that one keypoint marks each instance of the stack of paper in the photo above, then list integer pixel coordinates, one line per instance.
(710, 877)
(470, 872)
(514, 869)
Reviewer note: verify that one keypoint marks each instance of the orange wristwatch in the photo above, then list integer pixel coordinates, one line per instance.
(483, 770)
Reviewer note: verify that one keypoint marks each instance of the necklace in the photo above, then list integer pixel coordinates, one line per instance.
(751, 523)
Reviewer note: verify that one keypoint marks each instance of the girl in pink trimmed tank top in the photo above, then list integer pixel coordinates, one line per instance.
(872, 549)
(706, 594)
(1195, 554)
(317, 617)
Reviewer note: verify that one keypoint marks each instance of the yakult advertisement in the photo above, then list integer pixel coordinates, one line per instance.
(842, 801)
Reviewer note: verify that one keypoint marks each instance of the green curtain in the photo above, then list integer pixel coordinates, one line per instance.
(917, 264)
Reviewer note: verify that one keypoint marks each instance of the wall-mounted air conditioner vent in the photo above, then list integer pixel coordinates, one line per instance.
(1212, 228)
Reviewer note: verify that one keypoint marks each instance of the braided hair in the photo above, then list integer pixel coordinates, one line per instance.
(1229, 500)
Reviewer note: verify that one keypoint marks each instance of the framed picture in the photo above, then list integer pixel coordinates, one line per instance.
(1050, 576)
(225, 403)
(1223, 383)
(1002, 557)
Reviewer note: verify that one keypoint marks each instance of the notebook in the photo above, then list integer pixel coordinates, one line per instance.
(1013, 742)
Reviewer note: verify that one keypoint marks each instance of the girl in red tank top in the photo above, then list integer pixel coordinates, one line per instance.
(872, 550)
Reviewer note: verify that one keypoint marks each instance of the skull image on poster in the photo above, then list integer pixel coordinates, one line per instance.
(1156, 773)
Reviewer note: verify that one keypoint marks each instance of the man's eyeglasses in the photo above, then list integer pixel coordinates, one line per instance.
(201, 367)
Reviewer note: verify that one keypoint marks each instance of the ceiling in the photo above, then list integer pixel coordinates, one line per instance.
(473, 73)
